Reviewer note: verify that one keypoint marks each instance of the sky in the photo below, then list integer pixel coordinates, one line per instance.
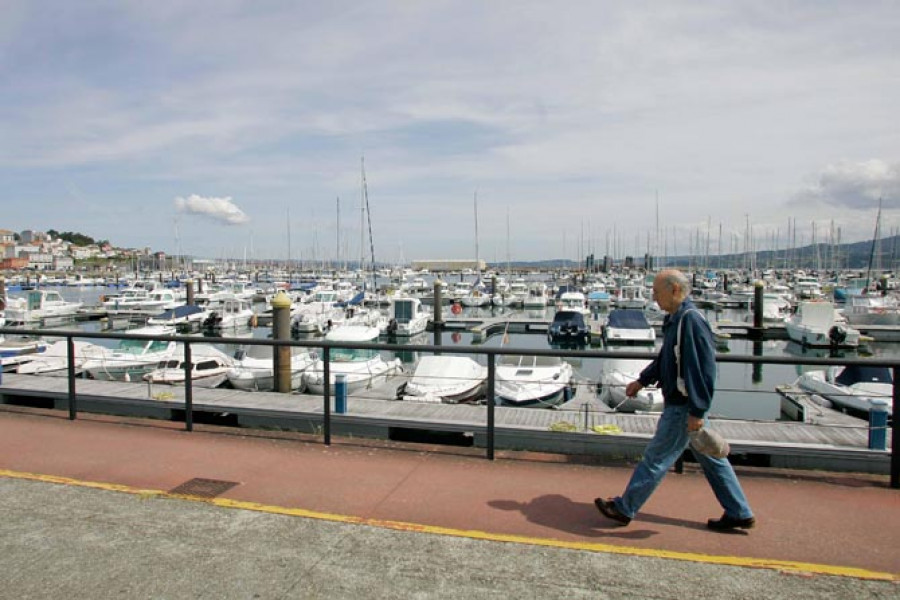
(227, 128)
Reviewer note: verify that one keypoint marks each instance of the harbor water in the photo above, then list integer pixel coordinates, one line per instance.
(744, 391)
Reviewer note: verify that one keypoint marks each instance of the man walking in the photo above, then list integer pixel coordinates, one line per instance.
(687, 380)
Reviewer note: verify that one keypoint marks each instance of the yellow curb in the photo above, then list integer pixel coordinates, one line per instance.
(735, 561)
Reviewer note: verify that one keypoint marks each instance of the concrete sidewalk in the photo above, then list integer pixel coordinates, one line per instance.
(89, 514)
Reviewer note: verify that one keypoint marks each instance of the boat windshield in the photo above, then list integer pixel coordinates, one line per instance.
(351, 355)
(141, 346)
(859, 374)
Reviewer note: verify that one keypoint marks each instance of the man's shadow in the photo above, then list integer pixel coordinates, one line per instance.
(578, 518)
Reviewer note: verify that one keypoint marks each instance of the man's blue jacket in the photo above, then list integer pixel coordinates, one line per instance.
(698, 361)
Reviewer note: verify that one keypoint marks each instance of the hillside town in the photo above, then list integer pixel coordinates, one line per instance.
(31, 250)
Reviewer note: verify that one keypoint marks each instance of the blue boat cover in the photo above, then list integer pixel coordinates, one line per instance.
(628, 319)
(859, 374)
(568, 316)
(180, 311)
(354, 301)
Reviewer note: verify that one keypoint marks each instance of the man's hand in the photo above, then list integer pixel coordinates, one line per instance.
(694, 423)
(633, 388)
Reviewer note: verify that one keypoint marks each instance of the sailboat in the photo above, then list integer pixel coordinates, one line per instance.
(477, 295)
(873, 308)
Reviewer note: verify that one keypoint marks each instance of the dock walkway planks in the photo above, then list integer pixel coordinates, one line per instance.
(841, 438)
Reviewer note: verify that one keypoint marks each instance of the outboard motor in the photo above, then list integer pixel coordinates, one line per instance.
(212, 320)
(837, 335)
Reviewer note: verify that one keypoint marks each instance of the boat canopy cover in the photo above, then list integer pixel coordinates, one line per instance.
(628, 319)
(180, 311)
(354, 301)
(568, 316)
(860, 374)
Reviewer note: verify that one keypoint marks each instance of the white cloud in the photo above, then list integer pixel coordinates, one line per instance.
(219, 209)
(856, 185)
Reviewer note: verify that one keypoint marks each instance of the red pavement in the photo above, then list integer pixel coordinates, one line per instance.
(842, 521)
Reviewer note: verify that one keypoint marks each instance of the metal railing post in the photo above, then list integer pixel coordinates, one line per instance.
(326, 375)
(188, 389)
(70, 363)
(491, 396)
(895, 453)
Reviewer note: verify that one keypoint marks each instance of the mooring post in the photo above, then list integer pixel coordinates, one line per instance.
(878, 415)
(70, 364)
(437, 319)
(758, 289)
(491, 400)
(895, 432)
(188, 388)
(189, 284)
(281, 330)
(326, 381)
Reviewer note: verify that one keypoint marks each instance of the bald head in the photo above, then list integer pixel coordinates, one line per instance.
(670, 288)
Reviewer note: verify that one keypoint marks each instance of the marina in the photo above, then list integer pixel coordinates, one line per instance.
(767, 419)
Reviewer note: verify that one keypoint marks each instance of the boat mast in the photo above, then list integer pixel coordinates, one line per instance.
(337, 255)
(477, 261)
(874, 243)
(368, 213)
(288, 223)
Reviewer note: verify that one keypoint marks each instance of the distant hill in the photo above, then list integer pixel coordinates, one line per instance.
(855, 255)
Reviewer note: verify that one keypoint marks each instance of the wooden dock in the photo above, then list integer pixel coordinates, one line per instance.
(582, 426)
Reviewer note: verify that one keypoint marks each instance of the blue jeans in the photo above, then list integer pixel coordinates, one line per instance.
(669, 441)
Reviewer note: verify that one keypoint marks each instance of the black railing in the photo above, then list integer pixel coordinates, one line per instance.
(490, 353)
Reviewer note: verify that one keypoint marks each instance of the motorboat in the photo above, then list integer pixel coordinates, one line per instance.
(407, 318)
(318, 313)
(537, 296)
(807, 288)
(631, 296)
(447, 379)
(568, 326)
(599, 299)
(159, 300)
(125, 302)
(39, 305)
(628, 326)
(209, 367)
(816, 324)
(186, 317)
(872, 309)
(476, 296)
(573, 301)
(55, 359)
(362, 368)
(532, 381)
(16, 352)
(253, 368)
(775, 307)
(853, 387)
(615, 375)
(231, 312)
(132, 358)
(513, 295)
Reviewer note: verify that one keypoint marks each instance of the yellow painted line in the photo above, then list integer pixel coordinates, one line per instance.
(735, 561)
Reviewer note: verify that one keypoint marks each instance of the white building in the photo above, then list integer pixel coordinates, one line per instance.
(40, 261)
(63, 263)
